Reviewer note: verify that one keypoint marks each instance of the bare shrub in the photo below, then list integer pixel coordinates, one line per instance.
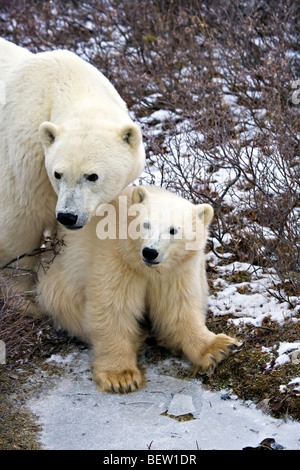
(22, 334)
(15, 330)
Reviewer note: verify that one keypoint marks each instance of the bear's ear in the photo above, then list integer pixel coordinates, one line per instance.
(205, 212)
(48, 132)
(139, 194)
(131, 134)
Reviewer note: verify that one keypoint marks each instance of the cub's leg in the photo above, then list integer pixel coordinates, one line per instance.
(113, 329)
(115, 357)
(202, 347)
(180, 324)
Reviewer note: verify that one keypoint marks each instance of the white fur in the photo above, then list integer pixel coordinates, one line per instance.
(99, 289)
(10, 56)
(61, 115)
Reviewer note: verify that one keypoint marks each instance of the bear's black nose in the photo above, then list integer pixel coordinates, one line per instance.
(150, 253)
(67, 219)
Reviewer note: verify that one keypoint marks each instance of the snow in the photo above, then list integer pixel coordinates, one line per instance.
(74, 415)
(251, 307)
(60, 359)
(296, 382)
(288, 352)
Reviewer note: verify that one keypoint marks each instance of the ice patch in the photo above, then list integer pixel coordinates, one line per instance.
(181, 404)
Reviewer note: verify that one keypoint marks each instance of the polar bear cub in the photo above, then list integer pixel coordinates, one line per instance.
(144, 252)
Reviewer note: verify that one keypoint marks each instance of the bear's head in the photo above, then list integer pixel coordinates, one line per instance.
(171, 229)
(89, 164)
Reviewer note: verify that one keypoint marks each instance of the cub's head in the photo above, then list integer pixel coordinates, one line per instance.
(172, 229)
(89, 164)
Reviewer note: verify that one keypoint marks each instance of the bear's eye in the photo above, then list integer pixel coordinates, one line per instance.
(92, 177)
(57, 175)
(173, 231)
(146, 225)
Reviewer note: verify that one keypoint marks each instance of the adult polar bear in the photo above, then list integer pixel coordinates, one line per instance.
(67, 144)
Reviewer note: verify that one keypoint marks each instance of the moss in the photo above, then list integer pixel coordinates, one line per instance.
(180, 418)
(18, 429)
(251, 372)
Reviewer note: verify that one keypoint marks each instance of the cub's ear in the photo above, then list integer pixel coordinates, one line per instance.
(205, 212)
(48, 133)
(131, 134)
(139, 194)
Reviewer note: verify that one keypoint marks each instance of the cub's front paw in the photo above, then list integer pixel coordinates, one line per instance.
(214, 353)
(128, 380)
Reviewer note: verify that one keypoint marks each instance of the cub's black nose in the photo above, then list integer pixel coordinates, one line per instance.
(67, 219)
(150, 253)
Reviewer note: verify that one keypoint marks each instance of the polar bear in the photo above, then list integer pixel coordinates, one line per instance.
(143, 252)
(67, 144)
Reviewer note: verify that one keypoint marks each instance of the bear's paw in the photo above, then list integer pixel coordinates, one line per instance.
(126, 381)
(214, 353)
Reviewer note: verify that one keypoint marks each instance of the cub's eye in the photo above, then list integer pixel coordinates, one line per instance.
(57, 175)
(173, 231)
(146, 225)
(92, 177)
